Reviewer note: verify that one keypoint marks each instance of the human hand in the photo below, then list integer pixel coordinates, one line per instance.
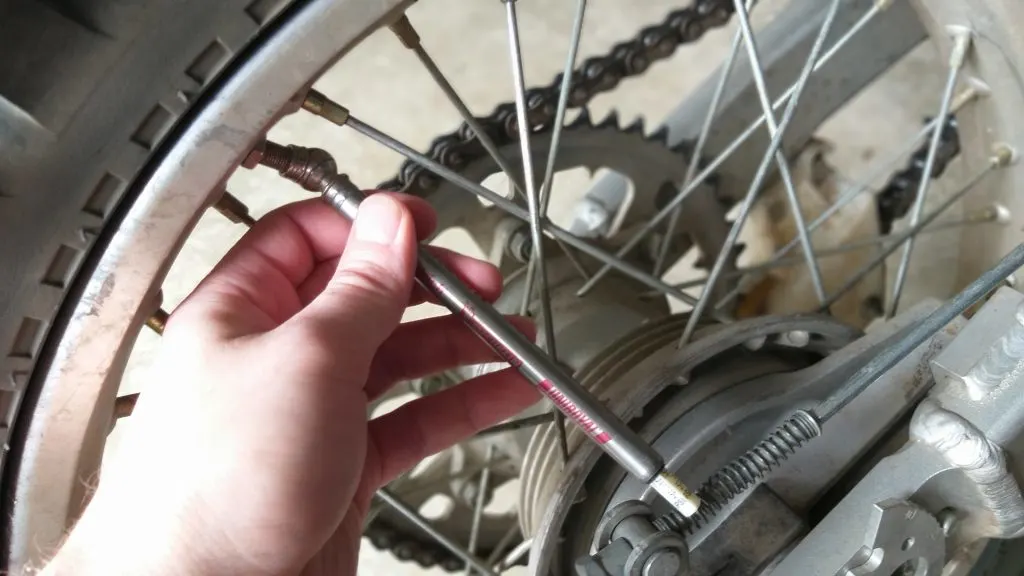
(252, 453)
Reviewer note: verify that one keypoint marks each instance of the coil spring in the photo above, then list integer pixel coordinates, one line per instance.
(744, 472)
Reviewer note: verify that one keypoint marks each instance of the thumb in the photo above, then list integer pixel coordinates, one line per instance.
(363, 302)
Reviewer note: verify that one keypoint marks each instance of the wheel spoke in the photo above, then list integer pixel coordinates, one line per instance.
(538, 263)
(317, 103)
(574, 260)
(698, 151)
(549, 175)
(478, 507)
(537, 259)
(760, 174)
(563, 104)
(531, 271)
(961, 43)
(729, 150)
(773, 128)
(991, 215)
(864, 185)
(405, 32)
(234, 210)
(1002, 157)
(423, 524)
(515, 555)
(506, 539)
(517, 424)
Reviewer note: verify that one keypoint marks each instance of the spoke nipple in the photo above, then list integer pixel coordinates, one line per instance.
(962, 37)
(994, 213)
(317, 103)
(405, 32)
(1003, 155)
(975, 89)
(1001, 214)
(158, 321)
(125, 405)
(229, 206)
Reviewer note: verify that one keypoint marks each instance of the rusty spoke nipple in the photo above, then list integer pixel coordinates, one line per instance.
(316, 103)
(158, 321)
(229, 206)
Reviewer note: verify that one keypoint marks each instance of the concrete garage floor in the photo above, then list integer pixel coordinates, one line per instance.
(383, 84)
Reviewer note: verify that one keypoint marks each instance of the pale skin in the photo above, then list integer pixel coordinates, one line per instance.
(250, 451)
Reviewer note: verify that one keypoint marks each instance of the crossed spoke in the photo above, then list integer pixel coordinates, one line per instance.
(762, 170)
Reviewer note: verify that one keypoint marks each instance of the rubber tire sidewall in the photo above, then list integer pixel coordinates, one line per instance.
(80, 123)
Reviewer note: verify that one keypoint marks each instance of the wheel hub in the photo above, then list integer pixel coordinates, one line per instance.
(697, 405)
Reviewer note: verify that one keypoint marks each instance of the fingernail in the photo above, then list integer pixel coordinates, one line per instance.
(378, 220)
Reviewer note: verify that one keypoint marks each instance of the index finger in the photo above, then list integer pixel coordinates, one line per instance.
(427, 425)
(256, 283)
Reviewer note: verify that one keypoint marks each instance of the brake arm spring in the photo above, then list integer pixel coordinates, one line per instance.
(754, 466)
(744, 472)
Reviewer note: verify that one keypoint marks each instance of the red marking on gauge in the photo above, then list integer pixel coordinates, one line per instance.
(574, 412)
(469, 315)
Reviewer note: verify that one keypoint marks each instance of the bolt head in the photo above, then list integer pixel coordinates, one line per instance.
(253, 158)
(947, 519)
(756, 343)
(664, 563)
(593, 216)
(797, 338)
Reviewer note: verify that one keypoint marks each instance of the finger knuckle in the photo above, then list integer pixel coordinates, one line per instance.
(372, 277)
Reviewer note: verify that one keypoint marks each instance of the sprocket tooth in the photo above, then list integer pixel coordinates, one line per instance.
(684, 147)
(738, 249)
(636, 127)
(583, 119)
(609, 121)
(661, 135)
